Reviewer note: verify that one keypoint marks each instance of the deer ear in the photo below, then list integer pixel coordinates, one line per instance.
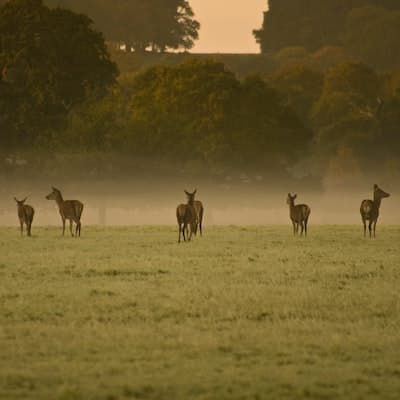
(195, 191)
(186, 192)
(24, 200)
(295, 196)
(376, 187)
(15, 199)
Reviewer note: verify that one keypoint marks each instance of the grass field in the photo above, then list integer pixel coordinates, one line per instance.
(243, 313)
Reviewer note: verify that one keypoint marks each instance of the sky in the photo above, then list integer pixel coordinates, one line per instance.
(227, 25)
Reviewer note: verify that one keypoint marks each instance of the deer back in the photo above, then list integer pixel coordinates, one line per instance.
(185, 213)
(26, 213)
(71, 209)
(369, 209)
(300, 212)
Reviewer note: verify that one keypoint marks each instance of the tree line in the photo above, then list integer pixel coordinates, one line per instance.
(60, 90)
(156, 25)
(366, 29)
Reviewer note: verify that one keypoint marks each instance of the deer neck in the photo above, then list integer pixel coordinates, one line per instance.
(190, 203)
(292, 208)
(377, 202)
(59, 200)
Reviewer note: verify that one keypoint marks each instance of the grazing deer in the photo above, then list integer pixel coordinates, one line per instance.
(186, 215)
(25, 215)
(369, 209)
(69, 209)
(199, 209)
(299, 215)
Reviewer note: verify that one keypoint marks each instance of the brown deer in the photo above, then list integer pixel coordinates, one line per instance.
(69, 209)
(369, 209)
(25, 215)
(199, 209)
(186, 215)
(299, 215)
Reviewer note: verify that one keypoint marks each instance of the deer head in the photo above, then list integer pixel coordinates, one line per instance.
(290, 199)
(379, 193)
(190, 196)
(54, 195)
(20, 203)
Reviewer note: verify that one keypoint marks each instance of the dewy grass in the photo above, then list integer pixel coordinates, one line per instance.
(242, 313)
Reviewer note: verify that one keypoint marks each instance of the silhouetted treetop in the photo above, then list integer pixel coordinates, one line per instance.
(313, 24)
(141, 24)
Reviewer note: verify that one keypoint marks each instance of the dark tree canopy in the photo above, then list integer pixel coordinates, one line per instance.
(382, 28)
(159, 24)
(313, 24)
(195, 111)
(50, 60)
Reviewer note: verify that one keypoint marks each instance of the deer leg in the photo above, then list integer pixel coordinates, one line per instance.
(183, 232)
(201, 226)
(28, 228)
(193, 228)
(369, 228)
(305, 227)
(365, 227)
(196, 227)
(63, 222)
(80, 227)
(374, 227)
(76, 228)
(70, 227)
(302, 228)
(179, 235)
(21, 227)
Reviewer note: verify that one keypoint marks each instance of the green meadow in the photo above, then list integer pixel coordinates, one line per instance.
(242, 313)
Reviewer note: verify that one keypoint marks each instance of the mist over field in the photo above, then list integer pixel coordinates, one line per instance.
(235, 201)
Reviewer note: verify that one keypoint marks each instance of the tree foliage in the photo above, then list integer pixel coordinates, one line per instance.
(300, 86)
(198, 111)
(159, 24)
(349, 110)
(50, 61)
(314, 24)
(382, 28)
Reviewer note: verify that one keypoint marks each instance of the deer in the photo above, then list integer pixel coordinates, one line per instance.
(199, 209)
(299, 215)
(69, 209)
(25, 215)
(186, 215)
(369, 210)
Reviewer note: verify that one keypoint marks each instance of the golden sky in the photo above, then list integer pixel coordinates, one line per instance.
(226, 25)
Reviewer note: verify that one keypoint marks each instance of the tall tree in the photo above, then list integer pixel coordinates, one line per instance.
(50, 61)
(309, 23)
